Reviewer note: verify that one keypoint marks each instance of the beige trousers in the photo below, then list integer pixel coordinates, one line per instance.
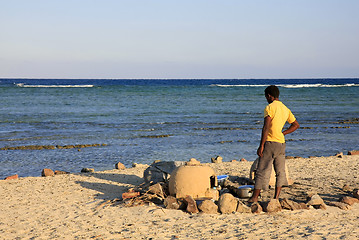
(273, 155)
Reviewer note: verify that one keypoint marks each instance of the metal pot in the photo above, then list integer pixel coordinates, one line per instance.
(245, 191)
(221, 179)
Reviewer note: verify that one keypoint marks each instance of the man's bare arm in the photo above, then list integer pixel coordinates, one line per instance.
(265, 130)
(293, 126)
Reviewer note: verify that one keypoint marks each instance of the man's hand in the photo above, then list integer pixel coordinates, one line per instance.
(260, 151)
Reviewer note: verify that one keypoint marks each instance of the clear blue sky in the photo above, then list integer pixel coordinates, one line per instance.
(179, 39)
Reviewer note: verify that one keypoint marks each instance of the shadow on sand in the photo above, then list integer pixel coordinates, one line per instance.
(111, 191)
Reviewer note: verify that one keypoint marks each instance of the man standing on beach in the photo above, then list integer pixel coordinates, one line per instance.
(271, 150)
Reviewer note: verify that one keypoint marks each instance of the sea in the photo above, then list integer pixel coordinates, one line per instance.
(95, 123)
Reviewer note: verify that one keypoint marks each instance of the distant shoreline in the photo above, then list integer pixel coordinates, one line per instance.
(314, 78)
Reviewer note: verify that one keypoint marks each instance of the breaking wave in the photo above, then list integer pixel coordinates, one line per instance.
(292, 85)
(53, 86)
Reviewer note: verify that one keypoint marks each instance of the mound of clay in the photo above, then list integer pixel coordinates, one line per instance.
(194, 180)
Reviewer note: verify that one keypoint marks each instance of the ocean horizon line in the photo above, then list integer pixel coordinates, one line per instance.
(314, 78)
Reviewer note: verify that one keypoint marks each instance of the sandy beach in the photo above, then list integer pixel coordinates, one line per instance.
(77, 206)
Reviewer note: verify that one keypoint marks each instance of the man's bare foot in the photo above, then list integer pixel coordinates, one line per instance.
(255, 196)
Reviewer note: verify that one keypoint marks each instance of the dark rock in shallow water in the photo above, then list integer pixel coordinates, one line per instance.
(50, 147)
(156, 136)
(30, 147)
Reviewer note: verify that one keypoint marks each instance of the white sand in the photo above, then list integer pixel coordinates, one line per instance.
(72, 207)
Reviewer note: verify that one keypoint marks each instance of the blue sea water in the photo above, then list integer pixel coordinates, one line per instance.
(145, 120)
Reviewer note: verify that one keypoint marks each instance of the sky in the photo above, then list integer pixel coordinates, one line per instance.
(165, 39)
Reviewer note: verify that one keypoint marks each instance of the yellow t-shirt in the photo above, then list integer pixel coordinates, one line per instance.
(279, 114)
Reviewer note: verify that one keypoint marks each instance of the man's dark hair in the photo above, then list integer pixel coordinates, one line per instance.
(272, 90)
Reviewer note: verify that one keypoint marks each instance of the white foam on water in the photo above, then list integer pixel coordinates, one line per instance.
(241, 85)
(318, 85)
(54, 86)
(294, 85)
